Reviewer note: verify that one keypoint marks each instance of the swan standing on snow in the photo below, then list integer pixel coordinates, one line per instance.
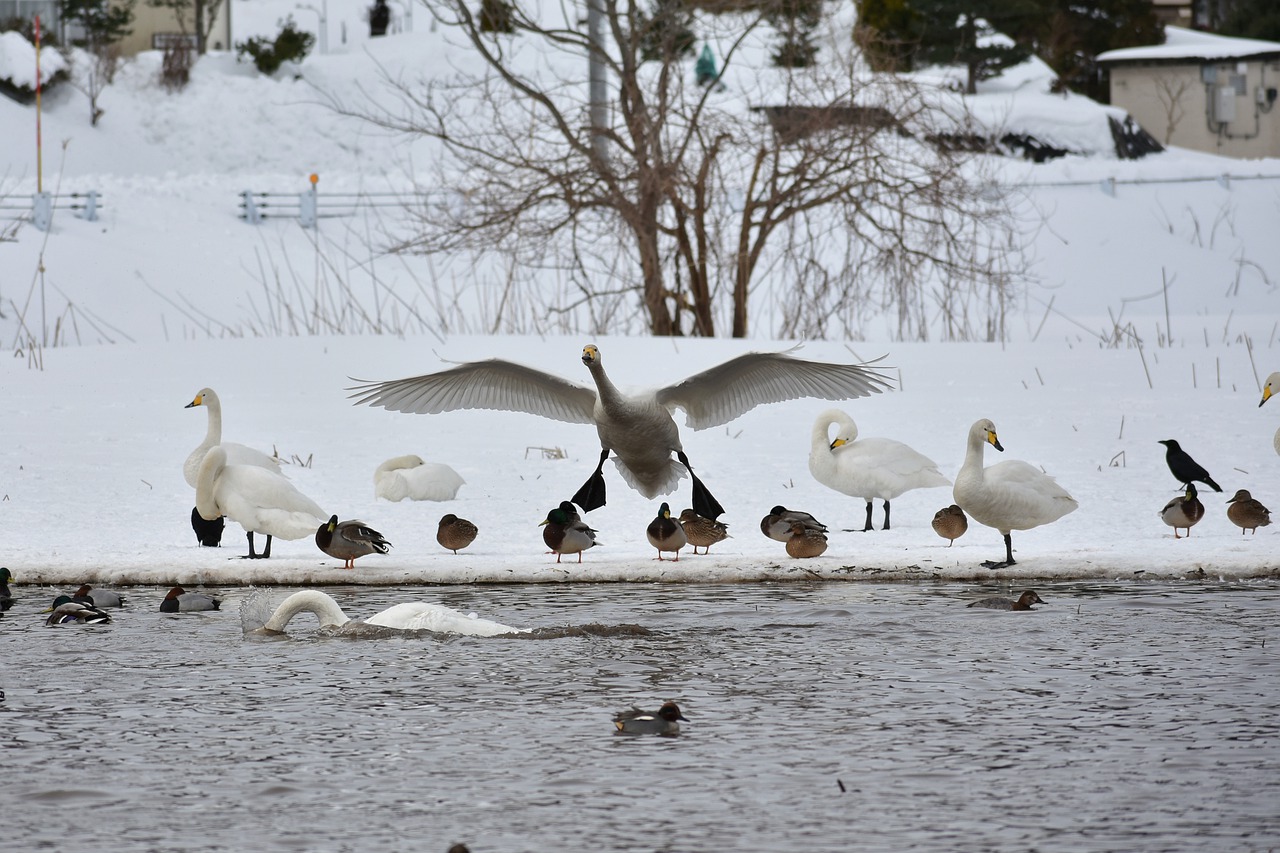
(409, 477)
(867, 468)
(638, 428)
(411, 616)
(258, 500)
(1009, 495)
(1268, 390)
(209, 531)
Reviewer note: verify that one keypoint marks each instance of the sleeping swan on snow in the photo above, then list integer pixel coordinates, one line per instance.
(409, 477)
(410, 616)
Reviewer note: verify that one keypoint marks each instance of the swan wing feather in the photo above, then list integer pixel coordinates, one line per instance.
(492, 384)
(729, 390)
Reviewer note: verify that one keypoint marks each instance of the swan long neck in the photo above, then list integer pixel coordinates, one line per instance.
(206, 503)
(309, 601)
(214, 433)
(610, 397)
(973, 456)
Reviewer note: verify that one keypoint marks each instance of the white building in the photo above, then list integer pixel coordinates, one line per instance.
(1202, 91)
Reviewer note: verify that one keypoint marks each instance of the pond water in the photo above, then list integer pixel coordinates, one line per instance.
(821, 717)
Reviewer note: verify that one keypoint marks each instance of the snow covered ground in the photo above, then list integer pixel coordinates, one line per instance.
(169, 292)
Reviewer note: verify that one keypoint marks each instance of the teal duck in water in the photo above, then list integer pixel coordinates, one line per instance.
(1024, 602)
(660, 722)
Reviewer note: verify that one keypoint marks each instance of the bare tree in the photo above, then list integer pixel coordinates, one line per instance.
(693, 185)
(1170, 91)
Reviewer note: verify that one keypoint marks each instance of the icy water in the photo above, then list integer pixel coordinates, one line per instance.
(823, 717)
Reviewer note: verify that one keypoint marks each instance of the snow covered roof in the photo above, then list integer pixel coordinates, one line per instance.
(1182, 43)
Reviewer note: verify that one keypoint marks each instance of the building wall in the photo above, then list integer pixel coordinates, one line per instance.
(148, 20)
(1237, 125)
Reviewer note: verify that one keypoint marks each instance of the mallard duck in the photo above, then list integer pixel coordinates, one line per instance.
(702, 532)
(6, 595)
(564, 535)
(65, 611)
(663, 721)
(805, 541)
(1184, 468)
(867, 468)
(349, 540)
(950, 523)
(455, 533)
(209, 531)
(178, 600)
(1183, 511)
(258, 500)
(666, 534)
(410, 616)
(409, 477)
(638, 429)
(1247, 513)
(98, 597)
(1024, 602)
(1009, 495)
(777, 524)
(1268, 390)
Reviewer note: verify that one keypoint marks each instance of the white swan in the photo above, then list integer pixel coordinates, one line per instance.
(638, 428)
(259, 500)
(867, 468)
(1009, 495)
(409, 477)
(237, 454)
(1272, 387)
(410, 616)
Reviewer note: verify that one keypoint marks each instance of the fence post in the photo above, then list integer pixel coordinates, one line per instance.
(42, 210)
(251, 214)
(90, 211)
(307, 204)
(1109, 186)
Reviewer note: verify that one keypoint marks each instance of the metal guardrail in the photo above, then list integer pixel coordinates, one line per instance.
(309, 206)
(1109, 185)
(39, 210)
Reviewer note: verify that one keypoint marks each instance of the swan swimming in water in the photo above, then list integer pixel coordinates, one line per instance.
(638, 429)
(410, 616)
(258, 500)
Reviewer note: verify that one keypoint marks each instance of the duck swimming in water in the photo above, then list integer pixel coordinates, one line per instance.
(637, 428)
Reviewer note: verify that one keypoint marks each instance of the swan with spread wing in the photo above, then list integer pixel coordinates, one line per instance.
(637, 428)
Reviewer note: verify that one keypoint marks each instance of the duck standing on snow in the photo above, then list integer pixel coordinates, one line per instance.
(178, 600)
(664, 721)
(1272, 386)
(1183, 511)
(65, 611)
(209, 531)
(349, 540)
(637, 429)
(665, 533)
(1024, 602)
(409, 477)
(567, 534)
(950, 523)
(805, 541)
(1246, 512)
(867, 468)
(702, 532)
(777, 524)
(455, 533)
(1009, 495)
(1185, 469)
(258, 500)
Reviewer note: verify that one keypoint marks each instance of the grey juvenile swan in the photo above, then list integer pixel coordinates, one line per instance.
(638, 428)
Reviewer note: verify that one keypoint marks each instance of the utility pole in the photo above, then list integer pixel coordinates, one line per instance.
(597, 90)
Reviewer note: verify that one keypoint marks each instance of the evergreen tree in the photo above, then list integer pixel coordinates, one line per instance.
(1072, 33)
(666, 32)
(496, 16)
(888, 32)
(795, 21)
(104, 23)
(962, 32)
(1255, 19)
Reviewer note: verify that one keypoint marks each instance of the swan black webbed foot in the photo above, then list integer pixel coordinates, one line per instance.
(591, 495)
(253, 555)
(704, 503)
(1008, 556)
